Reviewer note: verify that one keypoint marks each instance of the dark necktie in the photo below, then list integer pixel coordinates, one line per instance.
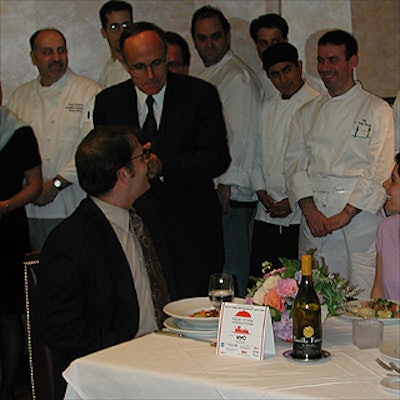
(158, 284)
(149, 128)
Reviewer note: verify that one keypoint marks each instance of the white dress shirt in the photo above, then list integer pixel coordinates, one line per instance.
(119, 220)
(113, 72)
(268, 163)
(241, 96)
(157, 105)
(61, 116)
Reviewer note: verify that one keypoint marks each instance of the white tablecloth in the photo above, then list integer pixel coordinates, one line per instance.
(164, 367)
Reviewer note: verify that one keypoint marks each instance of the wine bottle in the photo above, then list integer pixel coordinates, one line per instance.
(307, 328)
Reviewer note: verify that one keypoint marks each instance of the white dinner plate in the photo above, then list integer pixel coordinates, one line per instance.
(357, 303)
(183, 309)
(391, 383)
(391, 349)
(173, 325)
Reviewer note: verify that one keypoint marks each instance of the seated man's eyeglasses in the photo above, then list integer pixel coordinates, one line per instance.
(114, 27)
(145, 155)
(141, 68)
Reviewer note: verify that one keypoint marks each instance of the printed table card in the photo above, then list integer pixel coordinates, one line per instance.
(245, 331)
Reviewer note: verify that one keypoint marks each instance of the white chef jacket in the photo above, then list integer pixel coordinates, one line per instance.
(396, 113)
(60, 115)
(341, 143)
(241, 96)
(270, 90)
(268, 163)
(340, 150)
(112, 73)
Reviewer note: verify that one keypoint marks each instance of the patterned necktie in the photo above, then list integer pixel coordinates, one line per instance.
(149, 129)
(158, 284)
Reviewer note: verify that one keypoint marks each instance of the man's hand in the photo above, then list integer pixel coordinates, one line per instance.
(224, 195)
(49, 193)
(317, 222)
(343, 218)
(266, 200)
(280, 209)
(155, 164)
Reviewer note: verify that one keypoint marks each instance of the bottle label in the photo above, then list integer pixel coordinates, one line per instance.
(308, 332)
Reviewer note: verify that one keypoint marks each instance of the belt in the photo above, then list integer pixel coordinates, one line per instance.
(242, 204)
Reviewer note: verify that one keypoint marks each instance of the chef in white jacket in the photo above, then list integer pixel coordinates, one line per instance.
(276, 226)
(340, 150)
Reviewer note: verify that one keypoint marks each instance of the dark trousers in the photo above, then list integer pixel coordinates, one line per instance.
(270, 242)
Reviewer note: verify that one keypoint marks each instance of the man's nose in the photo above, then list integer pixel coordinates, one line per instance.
(209, 42)
(284, 78)
(55, 56)
(150, 72)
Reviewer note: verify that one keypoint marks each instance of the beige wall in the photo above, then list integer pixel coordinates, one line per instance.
(79, 21)
(376, 25)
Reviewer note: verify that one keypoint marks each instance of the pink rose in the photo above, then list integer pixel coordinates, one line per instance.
(287, 287)
(273, 299)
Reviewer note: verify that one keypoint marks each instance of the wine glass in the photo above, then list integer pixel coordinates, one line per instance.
(220, 289)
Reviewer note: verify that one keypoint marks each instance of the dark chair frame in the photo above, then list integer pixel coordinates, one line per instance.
(40, 357)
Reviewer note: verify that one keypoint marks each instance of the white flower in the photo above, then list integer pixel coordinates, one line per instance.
(271, 282)
(258, 297)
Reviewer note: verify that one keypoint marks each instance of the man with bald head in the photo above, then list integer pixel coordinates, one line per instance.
(182, 123)
(58, 105)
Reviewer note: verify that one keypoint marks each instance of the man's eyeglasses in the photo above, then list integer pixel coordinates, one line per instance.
(141, 68)
(174, 64)
(114, 27)
(145, 155)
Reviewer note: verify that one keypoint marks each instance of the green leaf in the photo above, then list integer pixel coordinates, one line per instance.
(291, 267)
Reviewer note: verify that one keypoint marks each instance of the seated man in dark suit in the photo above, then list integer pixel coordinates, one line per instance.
(99, 284)
(181, 117)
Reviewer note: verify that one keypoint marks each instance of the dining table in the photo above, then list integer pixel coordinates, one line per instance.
(166, 367)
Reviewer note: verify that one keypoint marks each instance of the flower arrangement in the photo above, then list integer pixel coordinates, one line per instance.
(278, 289)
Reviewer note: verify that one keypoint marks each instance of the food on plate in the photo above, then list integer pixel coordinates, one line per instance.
(377, 308)
(205, 314)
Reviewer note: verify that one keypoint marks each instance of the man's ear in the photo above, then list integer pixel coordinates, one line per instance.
(353, 61)
(300, 65)
(122, 61)
(33, 58)
(103, 33)
(124, 175)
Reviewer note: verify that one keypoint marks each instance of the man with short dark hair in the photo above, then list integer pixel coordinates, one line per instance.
(178, 55)
(182, 124)
(339, 153)
(241, 95)
(97, 287)
(115, 16)
(58, 105)
(267, 30)
(276, 226)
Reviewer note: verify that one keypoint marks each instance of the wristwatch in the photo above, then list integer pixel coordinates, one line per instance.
(57, 183)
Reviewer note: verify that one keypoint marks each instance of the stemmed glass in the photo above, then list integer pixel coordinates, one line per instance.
(220, 289)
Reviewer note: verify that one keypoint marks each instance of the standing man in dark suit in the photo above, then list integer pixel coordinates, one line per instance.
(97, 285)
(189, 148)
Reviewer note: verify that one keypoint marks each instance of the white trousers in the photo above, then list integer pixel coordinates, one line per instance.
(349, 251)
